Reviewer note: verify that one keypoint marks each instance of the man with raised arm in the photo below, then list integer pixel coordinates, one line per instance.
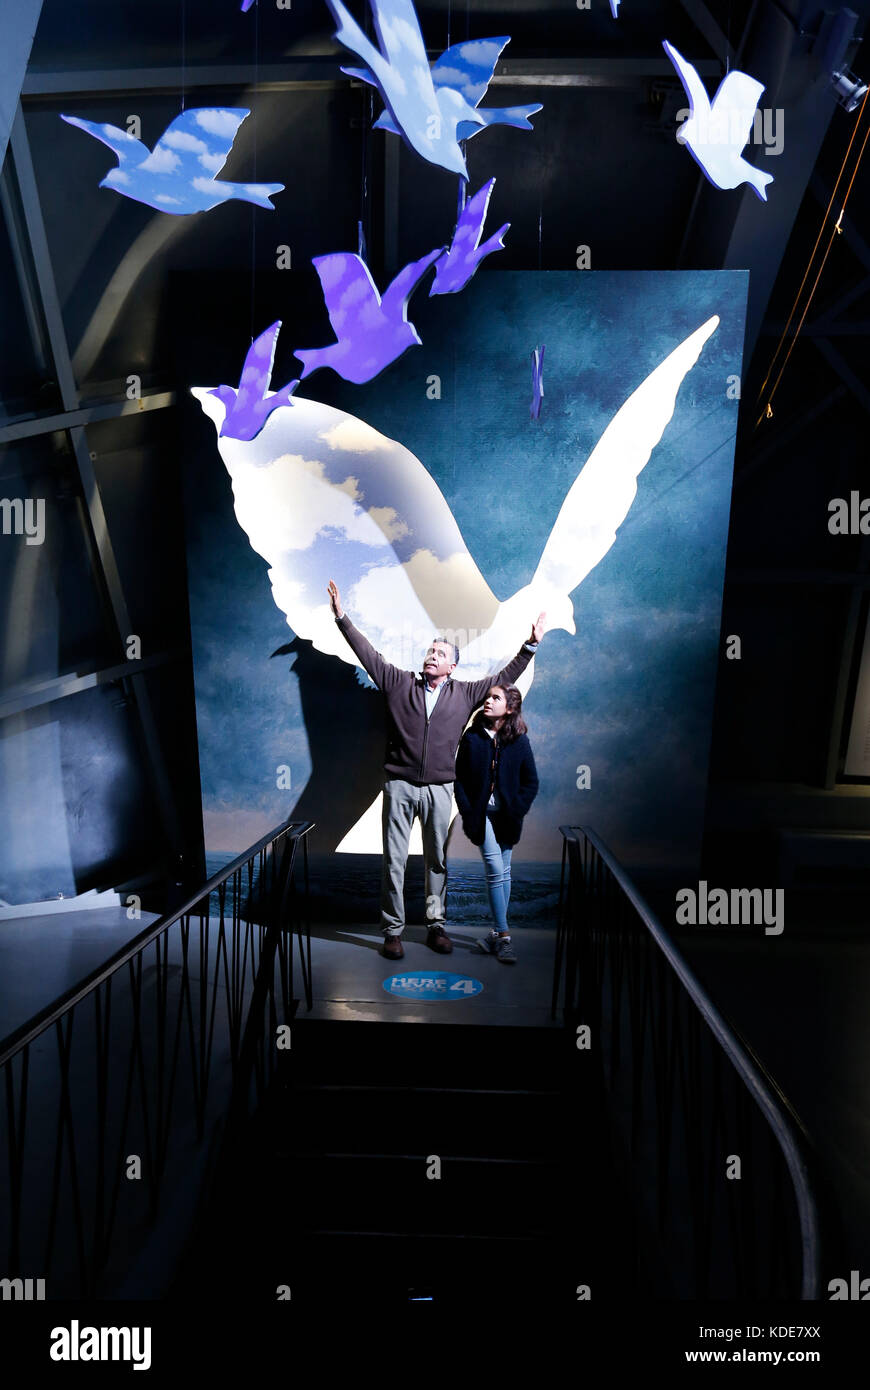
(426, 716)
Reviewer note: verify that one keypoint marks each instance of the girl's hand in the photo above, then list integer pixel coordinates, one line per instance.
(539, 628)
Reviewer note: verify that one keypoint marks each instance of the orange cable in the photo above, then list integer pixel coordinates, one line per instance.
(815, 248)
(835, 230)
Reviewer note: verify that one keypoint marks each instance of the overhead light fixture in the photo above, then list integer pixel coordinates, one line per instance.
(850, 90)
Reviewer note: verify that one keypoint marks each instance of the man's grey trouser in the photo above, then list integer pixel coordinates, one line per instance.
(402, 802)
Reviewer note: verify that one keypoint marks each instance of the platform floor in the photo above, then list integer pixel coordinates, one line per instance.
(42, 956)
(349, 972)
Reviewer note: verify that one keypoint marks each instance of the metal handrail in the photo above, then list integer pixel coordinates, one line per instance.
(144, 1059)
(25, 1034)
(784, 1123)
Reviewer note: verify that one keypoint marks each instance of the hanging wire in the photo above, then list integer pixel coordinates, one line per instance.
(254, 178)
(362, 239)
(183, 53)
(835, 230)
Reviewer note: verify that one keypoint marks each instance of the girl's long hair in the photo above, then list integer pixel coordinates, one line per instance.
(513, 724)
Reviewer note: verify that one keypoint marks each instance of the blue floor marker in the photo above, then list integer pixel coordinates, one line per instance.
(432, 984)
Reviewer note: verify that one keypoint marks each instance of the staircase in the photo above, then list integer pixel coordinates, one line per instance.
(331, 1196)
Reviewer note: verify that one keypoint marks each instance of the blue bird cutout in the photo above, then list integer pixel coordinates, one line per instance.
(429, 118)
(466, 68)
(249, 407)
(372, 331)
(537, 382)
(464, 254)
(179, 174)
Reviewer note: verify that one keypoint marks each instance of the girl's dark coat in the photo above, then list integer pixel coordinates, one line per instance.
(516, 782)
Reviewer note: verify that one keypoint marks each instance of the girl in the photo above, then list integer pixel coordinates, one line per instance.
(496, 783)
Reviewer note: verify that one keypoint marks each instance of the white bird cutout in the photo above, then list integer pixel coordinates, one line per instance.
(321, 494)
(428, 116)
(717, 131)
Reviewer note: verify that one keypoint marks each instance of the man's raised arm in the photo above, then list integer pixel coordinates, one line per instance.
(478, 690)
(382, 672)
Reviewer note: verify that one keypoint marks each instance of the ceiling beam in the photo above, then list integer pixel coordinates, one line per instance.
(326, 72)
(59, 687)
(707, 26)
(86, 415)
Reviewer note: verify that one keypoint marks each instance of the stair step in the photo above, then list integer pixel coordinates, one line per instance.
(431, 1054)
(372, 1267)
(409, 1089)
(521, 1124)
(316, 1156)
(394, 1194)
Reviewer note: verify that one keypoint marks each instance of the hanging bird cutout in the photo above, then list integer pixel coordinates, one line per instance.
(466, 68)
(372, 330)
(249, 406)
(537, 382)
(464, 254)
(180, 174)
(432, 108)
(717, 131)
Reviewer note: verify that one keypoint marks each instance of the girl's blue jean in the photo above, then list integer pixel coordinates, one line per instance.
(497, 862)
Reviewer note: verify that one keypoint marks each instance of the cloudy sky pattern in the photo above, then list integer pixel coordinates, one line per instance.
(459, 262)
(427, 117)
(466, 68)
(372, 331)
(249, 405)
(322, 495)
(179, 175)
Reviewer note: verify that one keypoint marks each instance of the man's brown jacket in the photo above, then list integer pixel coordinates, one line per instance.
(421, 750)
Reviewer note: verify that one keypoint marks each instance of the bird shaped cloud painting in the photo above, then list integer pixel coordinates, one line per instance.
(717, 131)
(372, 329)
(467, 69)
(455, 268)
(321, 494)
(179, 175)
(433, 119)
(249, 405)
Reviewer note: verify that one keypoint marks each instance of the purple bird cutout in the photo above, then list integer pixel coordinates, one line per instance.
(537, 382)
(246, 5)
(464, 254)
(249, 407)
(371, 331)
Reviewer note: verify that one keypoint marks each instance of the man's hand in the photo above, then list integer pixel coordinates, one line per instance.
(335, 598)
(539, 628)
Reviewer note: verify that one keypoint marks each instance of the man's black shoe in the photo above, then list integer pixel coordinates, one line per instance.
(438, 940)
(393, 948)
